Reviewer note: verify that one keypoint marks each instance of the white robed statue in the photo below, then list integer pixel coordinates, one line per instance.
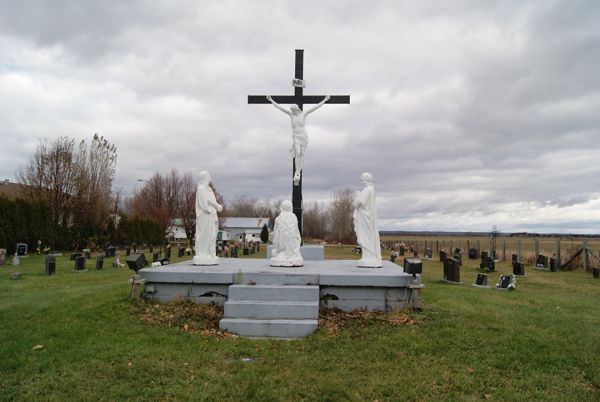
(207, 222)
(366, 225)
(286, 239)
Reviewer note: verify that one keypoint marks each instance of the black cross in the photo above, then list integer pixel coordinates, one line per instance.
(299, 99)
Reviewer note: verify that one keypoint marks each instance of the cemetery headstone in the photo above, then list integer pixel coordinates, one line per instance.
(443, 255)
(541, 261)
(472, 253)
(75, 255)
(413, 266)
(481, 281)
(79, 264)
(168, 252)
(428, 253)
(451, 270)
(246, 250)
(518, 268)
(553, 267)
(2, 256)
(16, 260)
(180, 252)
(50, 265)
(596, 273)
(136, 261)
(99, 262)
(21, 249)
(506, 282)
(154, 257)
(127, 251)
(514, 257)
(458, 256)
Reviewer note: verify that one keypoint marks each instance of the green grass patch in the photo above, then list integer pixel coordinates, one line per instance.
(540, 342)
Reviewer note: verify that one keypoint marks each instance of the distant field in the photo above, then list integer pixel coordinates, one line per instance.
(568, 245)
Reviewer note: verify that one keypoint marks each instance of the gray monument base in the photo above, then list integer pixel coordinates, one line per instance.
(308, 252)
(280, 302)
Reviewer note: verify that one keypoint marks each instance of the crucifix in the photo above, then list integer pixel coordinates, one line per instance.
(297, 115)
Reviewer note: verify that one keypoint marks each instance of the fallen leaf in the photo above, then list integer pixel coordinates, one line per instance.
(38, 347)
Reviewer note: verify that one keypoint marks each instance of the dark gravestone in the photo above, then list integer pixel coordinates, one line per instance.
(541, 261)
(472, 254)
(127, 251)
(482, 280)
(491, 264)
(21, 249)
(246, 251)
(428, 253)
(155, 257)
(99, 262)
(483, 264)
(514, 257)
(50, 265)
(553, 267)
(180, 252)
(493, 254)
(80, 263)
(402, 251)
(112, 250)
(168, 252)
(443, 256)
(393, 257)
(106, 253)
(596, 273)
(458, 256)
(413, 266)
(136, 261)
(518, 268)
(451, 270)
(75, 255)
(504, 282)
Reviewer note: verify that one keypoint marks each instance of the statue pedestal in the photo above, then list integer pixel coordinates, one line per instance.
(290, 262)
(308, 252)
(205, 261)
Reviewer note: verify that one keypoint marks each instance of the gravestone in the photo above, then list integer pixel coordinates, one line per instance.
(481, 281)
(99, 262)
(472, 253)
(79, 264)
(541, 261)
(127, 251)
(180, 252)
(413, 266)
(458, 256)
(22, 249)
(2, 256)
(136, 261)
(155, 257)
(514, 257)
(16, 260)
(50, 265)
(428, 253)
(168, 252)
(553, 267)
(596, 273)
(451, 270)
(506, 282)
(443, 256)
(402, 250)
(87, 253)
(75, 255)
(518, 268)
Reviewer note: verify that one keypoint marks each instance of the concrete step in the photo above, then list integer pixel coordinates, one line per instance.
(274, 292)
(293, 277)
(271, 310)
(269, 328)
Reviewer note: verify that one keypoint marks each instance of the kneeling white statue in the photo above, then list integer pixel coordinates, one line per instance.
(366, 225)
(207, 222)
(286, 239)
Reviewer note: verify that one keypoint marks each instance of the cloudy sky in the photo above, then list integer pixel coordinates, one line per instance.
(467, 113)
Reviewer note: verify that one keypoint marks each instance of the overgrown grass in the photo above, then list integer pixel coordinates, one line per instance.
(540, 342)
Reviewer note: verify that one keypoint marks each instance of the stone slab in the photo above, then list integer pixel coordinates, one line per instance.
(308, 252)
(273, 292)
(271, 309)
(286, 329)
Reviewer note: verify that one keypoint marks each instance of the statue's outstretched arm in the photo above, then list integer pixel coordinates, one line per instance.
(318, 105)
(277, 105)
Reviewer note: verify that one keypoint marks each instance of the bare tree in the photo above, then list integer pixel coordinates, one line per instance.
(315, 221)
(340, 216)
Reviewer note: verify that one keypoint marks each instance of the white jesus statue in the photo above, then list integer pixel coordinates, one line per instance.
(286, 239)
(299, 135)
(366, 225)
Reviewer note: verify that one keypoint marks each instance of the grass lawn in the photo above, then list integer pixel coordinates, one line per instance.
(540, 342)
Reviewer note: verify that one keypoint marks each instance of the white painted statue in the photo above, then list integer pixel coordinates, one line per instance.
(366, 225)
(286, 239)
(299, 134)
(207, 222)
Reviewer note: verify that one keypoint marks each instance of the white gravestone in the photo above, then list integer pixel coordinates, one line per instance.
(286, 239)
(207, 222)
(366, 225)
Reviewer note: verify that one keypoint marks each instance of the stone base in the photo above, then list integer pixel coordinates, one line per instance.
(308, 252)
(370, 263)
(290, 263)
(205, 261)
(341, 283)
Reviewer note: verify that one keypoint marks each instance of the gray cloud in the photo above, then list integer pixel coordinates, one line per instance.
(468, 114)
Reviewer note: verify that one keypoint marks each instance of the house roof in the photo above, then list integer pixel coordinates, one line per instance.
(246, 223)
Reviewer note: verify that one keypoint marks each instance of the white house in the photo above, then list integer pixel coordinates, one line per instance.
(176, 231)
(245, 229)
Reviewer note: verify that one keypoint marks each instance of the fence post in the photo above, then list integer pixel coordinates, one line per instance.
(536, 249)
(519, 250)
(558, 264)
(503, 249)
(586, 256)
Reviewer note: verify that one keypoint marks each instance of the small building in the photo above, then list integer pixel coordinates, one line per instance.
(176, 232)
(245, 229)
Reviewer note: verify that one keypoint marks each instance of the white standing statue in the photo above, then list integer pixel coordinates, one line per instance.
(365, 224)
(207, 222)
(299, 134)
(286, 239)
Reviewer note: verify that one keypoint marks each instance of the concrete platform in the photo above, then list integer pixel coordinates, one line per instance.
(341, 283)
